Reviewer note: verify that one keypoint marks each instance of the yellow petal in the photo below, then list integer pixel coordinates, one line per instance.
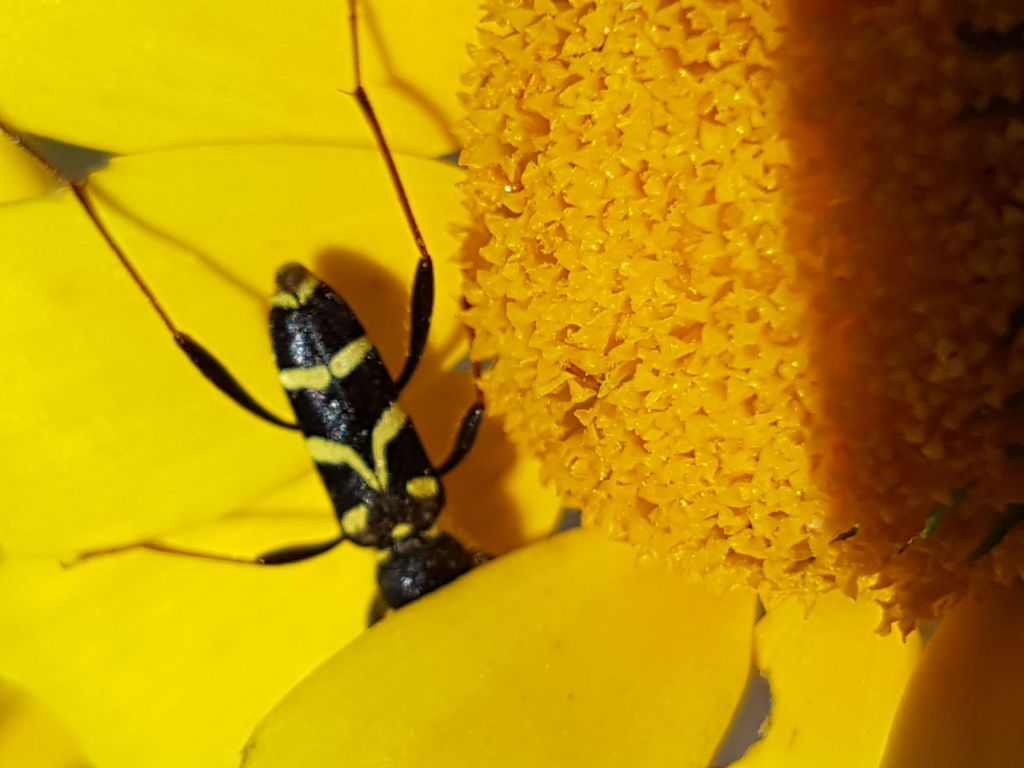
(835, 683)
(132, 76)
(118, 437)
(30, 736)
(964, 703)
(110, 433)
(20, 176)
(154, 660)
(563, 653)
(415, 57)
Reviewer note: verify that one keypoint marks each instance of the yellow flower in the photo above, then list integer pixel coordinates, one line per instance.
(562, 653)
(753, 282)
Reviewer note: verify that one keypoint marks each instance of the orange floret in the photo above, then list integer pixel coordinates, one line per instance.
(752, 280)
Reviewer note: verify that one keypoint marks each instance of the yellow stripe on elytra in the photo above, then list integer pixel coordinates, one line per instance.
(315, 377)
(423, 487)
(346, 360)
(350, 357)
(326, 451)
(388, 426)
(384, 431)
(355, 520)
(289, 300)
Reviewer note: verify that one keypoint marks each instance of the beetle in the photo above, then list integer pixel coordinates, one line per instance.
(386, 493)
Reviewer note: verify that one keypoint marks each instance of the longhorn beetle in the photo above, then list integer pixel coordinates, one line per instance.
(385, 491)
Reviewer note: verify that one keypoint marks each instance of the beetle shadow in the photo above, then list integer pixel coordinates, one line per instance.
(204, 259)
(436, 399)
(400, 83)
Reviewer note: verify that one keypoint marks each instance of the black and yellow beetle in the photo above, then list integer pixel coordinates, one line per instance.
(386, 493)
